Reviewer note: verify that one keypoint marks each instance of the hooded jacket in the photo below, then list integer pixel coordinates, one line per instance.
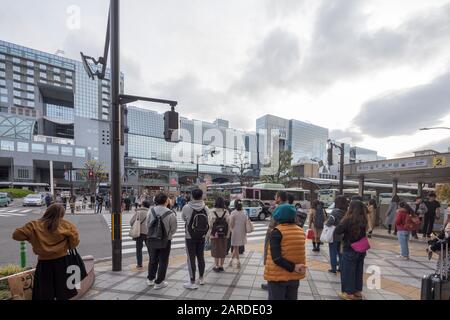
(197, 205)
(170, 221)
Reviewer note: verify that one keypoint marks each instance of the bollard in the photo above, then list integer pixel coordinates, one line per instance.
(23, 255)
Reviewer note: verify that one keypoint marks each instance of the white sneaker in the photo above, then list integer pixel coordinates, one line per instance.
(161, 285)
(201, 281)
(190, 286)
(150, 283)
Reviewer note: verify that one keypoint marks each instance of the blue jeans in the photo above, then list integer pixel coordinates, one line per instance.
(352, 271)
(403, 239)
(335, 253)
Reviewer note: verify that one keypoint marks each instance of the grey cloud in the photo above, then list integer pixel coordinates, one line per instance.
(273, 64)
(405, 112)
(283, 8)
(347, 136)
(342, 47)
(438, 145)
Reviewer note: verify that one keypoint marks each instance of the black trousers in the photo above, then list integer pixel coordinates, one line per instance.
(195, 250)
(50, 280)
(428, 224)
(139, 246)
(283, 290)
(159, 261)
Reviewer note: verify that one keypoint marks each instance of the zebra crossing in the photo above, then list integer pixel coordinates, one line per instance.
(178, 241)
(14, 212)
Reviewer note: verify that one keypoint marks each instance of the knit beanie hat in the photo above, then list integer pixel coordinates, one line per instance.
(285, 213)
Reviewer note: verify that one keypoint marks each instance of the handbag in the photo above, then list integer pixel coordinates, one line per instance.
(327, 235)
(135, 231)
(74, 259)
(310, 234)
(249, 228)
(361, 246)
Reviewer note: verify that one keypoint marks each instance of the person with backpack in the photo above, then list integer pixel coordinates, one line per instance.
(162, 225)
(406, 221)
(141, 216)
(195, 215)
(219, 226)
(336, 215)
(317, 219)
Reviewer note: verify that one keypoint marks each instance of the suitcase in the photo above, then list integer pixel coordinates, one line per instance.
(437, 286)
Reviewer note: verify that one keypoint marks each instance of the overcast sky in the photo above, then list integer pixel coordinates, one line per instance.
(372, 71)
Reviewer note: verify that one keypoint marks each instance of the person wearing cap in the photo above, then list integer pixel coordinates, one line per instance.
(285, 265)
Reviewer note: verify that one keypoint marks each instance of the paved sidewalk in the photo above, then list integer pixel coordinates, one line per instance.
(400, 280)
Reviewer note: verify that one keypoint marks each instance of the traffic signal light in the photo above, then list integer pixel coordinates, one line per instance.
(91, 174)
(171, 126)
(330, 156)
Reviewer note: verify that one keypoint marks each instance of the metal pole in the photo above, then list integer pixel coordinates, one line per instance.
(341, 173)
(23, 255)
(116, 209)
(361, 186)
(52, 185)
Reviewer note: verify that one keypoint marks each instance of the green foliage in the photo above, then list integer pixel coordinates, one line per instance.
(17, 193)
(443, 192)
(284, 173)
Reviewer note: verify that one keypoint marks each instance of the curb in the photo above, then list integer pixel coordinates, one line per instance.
(389, 237)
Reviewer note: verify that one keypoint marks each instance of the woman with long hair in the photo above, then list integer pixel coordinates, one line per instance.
(317, 218)
(403, 228)
(51, 237)
(353, 227)
(238, 222)
(371, 216)
(391, 213)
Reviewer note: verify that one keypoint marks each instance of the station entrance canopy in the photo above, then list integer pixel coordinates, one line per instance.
(420, 169)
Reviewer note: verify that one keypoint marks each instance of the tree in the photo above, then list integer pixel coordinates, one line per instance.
(94, 173)
(443, 192)
(283, 173)
(243, 167)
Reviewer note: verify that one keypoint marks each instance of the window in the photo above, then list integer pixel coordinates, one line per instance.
(69, 73)
(7, 145)
(104, 117)
(23, 147)
(2, 74)
(43, 67)
(30, 96)
(30, 80)
(67, 151)
(3, 99)
(16, 60)
(16, 69)
(17, 93)
(80, 152)
(37, 148)
(3, 91)
(30, 88)
(56, 78)
(69, 80)
(2, 66)
(17, 77)
(30, 64)
(2, 82)
(17, 102)
(23, 173)
(17, 85)
(52, 149)
(30, 104)
(43, 75)
(30, 72)
(56, 70)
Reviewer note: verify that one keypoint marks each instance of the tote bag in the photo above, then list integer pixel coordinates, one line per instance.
(327, 235)
(249, 228)
(135, 231)
(74, 259)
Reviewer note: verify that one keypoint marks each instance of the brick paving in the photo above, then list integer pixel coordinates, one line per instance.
(400, 280)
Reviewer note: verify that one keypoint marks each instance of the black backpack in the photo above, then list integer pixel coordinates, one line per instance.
(157, 237)
(220, 226)
(198, 225)
(301, 218)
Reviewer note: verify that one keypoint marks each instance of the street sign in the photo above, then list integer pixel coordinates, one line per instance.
(439, 161)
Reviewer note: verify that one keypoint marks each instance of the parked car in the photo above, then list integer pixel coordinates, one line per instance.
(255, 209)
(4, 202)
(33, 200)
(8, 195)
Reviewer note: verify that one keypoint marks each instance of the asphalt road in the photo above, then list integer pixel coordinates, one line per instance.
(94, 233)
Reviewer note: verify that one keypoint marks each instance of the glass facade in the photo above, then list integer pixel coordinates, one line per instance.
(16, 127)
(59, 112)
(308, 141)
(146, 144)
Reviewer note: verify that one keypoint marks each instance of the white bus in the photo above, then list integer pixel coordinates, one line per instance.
(327, 196)
(266, 193)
